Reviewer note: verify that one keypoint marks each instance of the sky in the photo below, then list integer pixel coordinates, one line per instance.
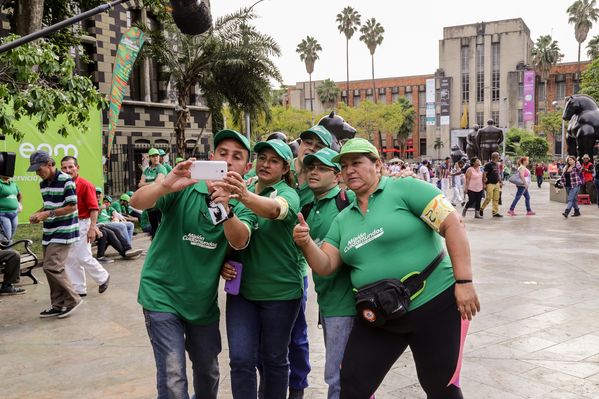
(412, 31)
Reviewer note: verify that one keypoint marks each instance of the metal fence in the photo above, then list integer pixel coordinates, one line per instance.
(127, 161)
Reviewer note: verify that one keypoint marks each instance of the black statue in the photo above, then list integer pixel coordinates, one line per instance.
(583, 115)
(471, 147)
(488, 140)
(456, 154)
(339, 128)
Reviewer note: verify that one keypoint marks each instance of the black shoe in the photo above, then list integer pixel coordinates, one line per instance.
(464, 211)
(103, 287)
(497, 215)
(51, 312)
(12, 290)
(480, 212)
(576, 213)
(565, 214)
(82, 295)
(104, 259)
(68, 311)
(296, 394)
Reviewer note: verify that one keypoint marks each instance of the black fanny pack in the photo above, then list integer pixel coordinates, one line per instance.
(389, 299)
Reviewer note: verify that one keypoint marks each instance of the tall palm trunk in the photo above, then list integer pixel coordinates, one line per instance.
(578, 80)
(373, 85)
(311, 105)
(347, 70)
(182, 119)
(27, 16)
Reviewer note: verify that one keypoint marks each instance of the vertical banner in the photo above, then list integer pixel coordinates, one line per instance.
(126, 54)
(431, 117)
(444, 96)
(528, 110)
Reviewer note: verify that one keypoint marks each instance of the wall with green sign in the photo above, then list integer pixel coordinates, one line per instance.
(87, 147)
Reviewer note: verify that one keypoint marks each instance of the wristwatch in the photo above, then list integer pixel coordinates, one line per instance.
(231, 213)
(52, 213)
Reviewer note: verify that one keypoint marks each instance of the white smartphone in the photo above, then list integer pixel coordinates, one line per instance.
(208, 170)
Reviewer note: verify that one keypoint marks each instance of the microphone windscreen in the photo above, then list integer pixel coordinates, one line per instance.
(192, 17)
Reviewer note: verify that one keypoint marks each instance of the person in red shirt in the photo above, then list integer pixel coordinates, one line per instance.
(80, 257)
(587, 175)
(539, 171)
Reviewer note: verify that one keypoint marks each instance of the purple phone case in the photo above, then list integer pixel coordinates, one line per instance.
(232, 286)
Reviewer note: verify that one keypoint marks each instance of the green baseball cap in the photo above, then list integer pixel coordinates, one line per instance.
(279, 146)
(161, 152)
(153, 151)
(231, 134)
(125, 197)
(325, 156)
(108, 198)
(356, 146)
(179, 159)
(130, 193)
(321, 132)
(99, 190)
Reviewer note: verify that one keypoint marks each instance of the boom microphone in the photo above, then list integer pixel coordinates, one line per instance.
(192, 16)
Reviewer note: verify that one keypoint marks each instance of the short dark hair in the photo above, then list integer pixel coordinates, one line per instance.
(69, 158)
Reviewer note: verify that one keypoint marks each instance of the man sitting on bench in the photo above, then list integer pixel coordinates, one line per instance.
(10, 261)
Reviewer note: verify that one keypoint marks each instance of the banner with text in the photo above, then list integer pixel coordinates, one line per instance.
(431, 117)
(528, 110)
(444, 96)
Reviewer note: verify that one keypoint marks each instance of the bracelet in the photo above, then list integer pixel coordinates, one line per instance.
(463, 281)
(231, 213)
(52, 213)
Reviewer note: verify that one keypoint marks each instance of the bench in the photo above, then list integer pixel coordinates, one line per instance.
(29, 259)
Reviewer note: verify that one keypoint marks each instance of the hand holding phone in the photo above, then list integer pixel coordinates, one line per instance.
(232, 286)
(208, 170)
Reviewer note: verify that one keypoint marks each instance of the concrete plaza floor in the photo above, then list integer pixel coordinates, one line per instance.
(537, 335)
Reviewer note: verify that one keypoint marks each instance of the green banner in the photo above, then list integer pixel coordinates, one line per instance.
(87, 148)
(126, 53)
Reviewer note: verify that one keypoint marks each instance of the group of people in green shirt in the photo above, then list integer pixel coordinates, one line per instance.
(287, 217)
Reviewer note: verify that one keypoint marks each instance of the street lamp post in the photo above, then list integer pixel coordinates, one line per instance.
(557, 107)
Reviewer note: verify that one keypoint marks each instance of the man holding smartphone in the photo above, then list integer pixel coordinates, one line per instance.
(179, 280)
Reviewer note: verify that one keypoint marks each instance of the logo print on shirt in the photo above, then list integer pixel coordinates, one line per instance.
(363, 239)
(199, 241)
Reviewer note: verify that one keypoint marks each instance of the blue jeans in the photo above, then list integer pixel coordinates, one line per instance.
(521, 191)
(299, 351)
(126, 229)
(336, 332)
(572, 198)
(170, 338)
(259, 328)
(9, 223)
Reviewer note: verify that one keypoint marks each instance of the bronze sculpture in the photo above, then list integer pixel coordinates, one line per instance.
(339, 128)
(456, 154)
(471, 147)
(488, 140)
(583, 128)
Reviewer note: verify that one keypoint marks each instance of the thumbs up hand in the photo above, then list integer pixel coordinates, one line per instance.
(301, 232)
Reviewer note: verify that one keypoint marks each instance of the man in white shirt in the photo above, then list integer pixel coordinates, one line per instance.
(423, 172)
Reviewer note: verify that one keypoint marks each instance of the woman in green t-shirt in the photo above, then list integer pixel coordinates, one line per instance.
(392, 229)
(10, 203)
(154, 173)
(260, 318)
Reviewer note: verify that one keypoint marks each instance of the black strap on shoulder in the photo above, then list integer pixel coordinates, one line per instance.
(415, 282)
(306, 209)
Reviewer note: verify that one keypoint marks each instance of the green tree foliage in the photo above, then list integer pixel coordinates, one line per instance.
(372, 35)
(42, 84)
(404, 131)
(593, 47)
(230, 63)
(348, 21)
(535, 147)
(590, 80)
(582, 14)
(545, 54)
(550, 123)
(328, 93)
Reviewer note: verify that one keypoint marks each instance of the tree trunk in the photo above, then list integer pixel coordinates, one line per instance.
(578, 80)
(182, 119)
(347, 69)
(373, 85)
(311, 105)
(27, 16)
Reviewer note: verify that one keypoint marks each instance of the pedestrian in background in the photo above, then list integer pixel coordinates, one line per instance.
(571, 180)
(524, 174)
(539, 172)
(474, 188)
(10, 206)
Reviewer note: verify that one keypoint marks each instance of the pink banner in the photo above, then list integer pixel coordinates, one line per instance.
(528, 109)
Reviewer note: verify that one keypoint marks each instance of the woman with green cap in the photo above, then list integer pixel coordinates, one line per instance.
(393, 230)
(154, 173)
(261, 316)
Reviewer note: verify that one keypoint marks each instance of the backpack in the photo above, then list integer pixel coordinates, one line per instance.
(341, 201)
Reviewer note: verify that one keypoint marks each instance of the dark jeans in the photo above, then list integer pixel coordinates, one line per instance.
(474, 198)
(112, 237)
(596, 182)
(259, 328)
(522, 191)
(171, 337)
(539, 181)
(154, 216)
(11, 263)
(299, 350)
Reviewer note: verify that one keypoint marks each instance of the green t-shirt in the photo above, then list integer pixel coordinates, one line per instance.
(8, 196)
(116, 205)
(103, 216)
(391, 240)
(335, 294)
(271, 270)
(182, 269)
(144, 221)
(306, 196)
(152, 172)
(168, 167)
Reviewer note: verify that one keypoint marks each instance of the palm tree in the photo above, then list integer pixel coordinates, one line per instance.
(582, 13)
(545, 54)
(328, 93)
(229, 63)
(403, 133)
(349, 21)
(593, 47)
(437, 145)
(308, 51)
(372, 35)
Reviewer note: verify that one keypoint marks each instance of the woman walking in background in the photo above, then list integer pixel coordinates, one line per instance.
(474, 188)
(10, 206)
(571, 181)
(524, 174)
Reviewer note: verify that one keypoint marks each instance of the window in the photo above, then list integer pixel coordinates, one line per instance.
(465, 74)
(480, 119)
(409, 97)
(495, 73)
(344, 97)
(520, 118)
(542, 91)
(422, 99)
(495, 117)
(480, 73)
(422, 123)
(369, 96)
(560, 90)
(520, 91)
(394, 97)
(422, 146)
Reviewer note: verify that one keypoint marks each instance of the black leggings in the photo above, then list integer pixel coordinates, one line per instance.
(434, 332)
(154, 217)
(474, 198)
